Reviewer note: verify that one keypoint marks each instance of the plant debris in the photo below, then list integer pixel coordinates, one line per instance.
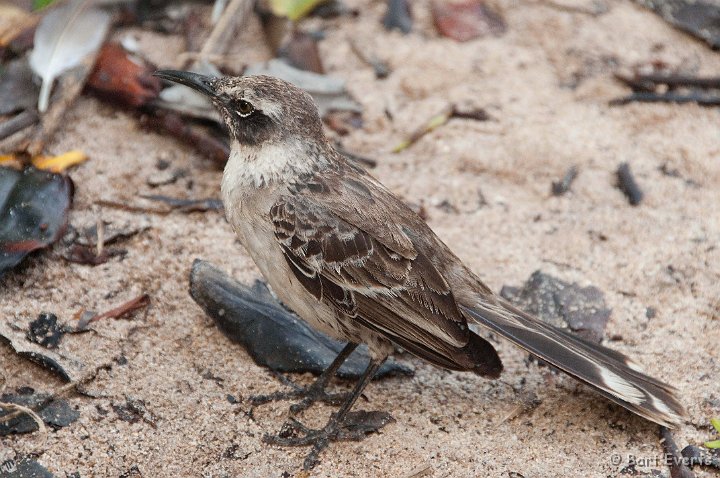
(293, 9)
(714, 444)
(123, 77)
(274, 337)
(562, 304)
(698, 456)
(66, 367)
(382, 70)
(18, 91)
(301, 51)
(398, 16)
(64, 38)
(118, 312)
(670, 88)
(187, 205)
(466, 20)
(699, 18)
(451, 111)
(561, 187)
(45, 331)
(58, 164)
(628, 185)
(56, 413)
(27, 467)
(33, 212)
(134, 410)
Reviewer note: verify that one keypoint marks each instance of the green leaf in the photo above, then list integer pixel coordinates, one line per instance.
(40, 4)
(293, 9)
(712, 444)
(715, 423)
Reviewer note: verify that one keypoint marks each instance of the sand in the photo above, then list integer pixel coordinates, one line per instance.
(546, 84)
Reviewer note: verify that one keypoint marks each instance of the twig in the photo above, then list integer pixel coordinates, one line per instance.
(420, 471)
(130, 208)
(628, 185)
(187, 205)
(123, 309)
(561, 187)
(100, 228)
(232, 18)
(434, 122)
(382, 70)
(18, 123)
(53, 396)
(450, 111)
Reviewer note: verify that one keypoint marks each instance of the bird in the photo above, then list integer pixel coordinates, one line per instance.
(354, 261)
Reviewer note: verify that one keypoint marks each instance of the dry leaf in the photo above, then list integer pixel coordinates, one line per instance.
(466, 20)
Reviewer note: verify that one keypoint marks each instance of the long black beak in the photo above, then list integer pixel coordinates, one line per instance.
(203, 84)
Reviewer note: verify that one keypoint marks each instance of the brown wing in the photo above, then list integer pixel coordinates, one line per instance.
(345, 250)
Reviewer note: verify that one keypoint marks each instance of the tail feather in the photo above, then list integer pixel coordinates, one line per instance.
(611, 373)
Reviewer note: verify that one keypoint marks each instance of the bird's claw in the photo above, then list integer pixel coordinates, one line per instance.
(308, 395)
(354, 427)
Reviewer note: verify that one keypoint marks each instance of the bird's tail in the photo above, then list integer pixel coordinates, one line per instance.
(609, 372)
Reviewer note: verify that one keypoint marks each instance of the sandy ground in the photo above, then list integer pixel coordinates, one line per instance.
(546, 84)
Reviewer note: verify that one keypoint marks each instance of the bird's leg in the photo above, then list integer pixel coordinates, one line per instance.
(315, 392)
(342, 425)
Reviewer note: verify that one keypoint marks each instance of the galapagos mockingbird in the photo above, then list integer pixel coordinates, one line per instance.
(353, 260)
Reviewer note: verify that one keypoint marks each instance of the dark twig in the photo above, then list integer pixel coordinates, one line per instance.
(17, 123)
(561, 187)
(677, 89)
(123, 309)
(382, 70)
(628, 185)
(187, 205)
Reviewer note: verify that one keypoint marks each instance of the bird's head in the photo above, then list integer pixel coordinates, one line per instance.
(256, 109)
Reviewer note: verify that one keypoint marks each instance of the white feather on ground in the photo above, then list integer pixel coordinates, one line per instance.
(64, 37)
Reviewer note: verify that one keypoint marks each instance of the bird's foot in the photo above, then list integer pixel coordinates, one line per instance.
(355, 426)
(308, 395)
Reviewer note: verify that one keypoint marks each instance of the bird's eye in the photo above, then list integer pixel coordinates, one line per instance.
(244, 108)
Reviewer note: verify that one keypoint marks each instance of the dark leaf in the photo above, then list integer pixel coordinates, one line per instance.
(274, 337)
(33, 212)
(18, 91)
(25, 468)
(559, 303)
(45, 331)
(55, 413)
(123, 77)
(697, 455)
(467, 20)
(63, 365)
(699, 18)
(398, 16)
